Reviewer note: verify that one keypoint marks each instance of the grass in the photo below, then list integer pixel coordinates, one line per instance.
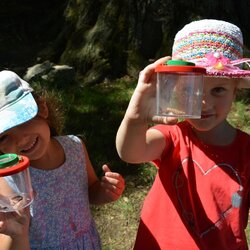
(117, 222)
(96, 113)
(240, 114)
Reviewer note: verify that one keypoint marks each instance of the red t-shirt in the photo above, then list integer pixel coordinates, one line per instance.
(200, 197)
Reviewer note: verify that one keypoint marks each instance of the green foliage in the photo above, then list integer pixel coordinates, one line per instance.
(96, 112)
(240, 113)
(147, 172)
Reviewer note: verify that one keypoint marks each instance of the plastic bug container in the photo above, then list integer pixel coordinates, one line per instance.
(15, 184)
(179, 89)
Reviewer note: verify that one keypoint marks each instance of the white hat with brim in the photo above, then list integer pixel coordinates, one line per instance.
(17, 104)
(215, 45)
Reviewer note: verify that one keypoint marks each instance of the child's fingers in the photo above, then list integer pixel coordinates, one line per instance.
(165, 120)
(110, 174)
(147, 72)
(106, 168)
(162, 60)
(15, 223)
(113, 175)
(116, 182)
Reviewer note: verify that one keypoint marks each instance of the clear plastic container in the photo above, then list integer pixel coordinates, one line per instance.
(15, 184)
(179, 89)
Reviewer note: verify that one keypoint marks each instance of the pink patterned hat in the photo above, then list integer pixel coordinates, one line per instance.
(215, 45)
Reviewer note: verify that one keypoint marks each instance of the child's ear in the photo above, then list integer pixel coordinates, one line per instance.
(43, 110)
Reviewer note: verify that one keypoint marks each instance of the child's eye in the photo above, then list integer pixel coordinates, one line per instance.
(218, 90)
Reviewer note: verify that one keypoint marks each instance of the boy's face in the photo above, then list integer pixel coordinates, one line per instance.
(218, 96)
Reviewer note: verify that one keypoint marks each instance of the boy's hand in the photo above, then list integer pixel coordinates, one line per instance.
(112, 183)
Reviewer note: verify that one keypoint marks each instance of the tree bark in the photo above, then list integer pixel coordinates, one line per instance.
(103, 39)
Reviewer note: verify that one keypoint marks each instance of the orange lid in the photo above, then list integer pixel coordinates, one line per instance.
(176, 66)
(12, 164)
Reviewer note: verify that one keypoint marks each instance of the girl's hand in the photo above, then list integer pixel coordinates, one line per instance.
(15, 224)
(14, 230)
(112, 183)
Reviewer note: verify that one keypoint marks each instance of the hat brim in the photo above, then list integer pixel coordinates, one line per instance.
(19, 112)
(242, 83)
(241, 76)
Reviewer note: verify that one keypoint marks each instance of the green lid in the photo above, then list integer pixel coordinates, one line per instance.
(179, 63)
(8, 160)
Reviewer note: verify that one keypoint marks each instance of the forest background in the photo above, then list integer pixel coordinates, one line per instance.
(108, 42)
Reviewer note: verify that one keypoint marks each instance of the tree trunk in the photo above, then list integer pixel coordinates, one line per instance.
(103, 38)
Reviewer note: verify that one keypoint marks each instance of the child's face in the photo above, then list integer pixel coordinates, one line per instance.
(30, 139)
(218, 96)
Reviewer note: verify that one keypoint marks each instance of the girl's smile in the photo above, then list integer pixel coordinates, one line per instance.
(30, 147)
(30, 139)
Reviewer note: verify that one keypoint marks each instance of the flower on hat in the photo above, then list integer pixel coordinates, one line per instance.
(218, 64)
(217, 60)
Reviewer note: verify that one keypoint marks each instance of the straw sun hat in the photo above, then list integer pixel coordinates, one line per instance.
(215, 45)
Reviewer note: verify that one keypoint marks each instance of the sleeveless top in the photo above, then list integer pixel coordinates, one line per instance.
(60, 213)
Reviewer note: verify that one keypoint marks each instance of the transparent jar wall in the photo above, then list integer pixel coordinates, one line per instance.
(15, 191)
(179, 94)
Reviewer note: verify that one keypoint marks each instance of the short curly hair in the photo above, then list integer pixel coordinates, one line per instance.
(56, 117)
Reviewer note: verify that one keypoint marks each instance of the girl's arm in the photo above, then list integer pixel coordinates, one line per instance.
(8, 243)
(108, 189)
(14, 230)
(134, 142)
